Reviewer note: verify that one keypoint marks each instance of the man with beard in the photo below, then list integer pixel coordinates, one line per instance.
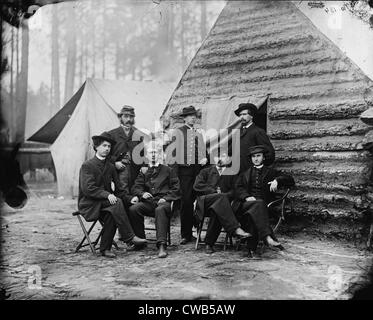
(98, 200)
(251, 135)
(127, 137)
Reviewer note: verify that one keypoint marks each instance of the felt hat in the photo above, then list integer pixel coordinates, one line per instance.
(126, 110)
(188, 111)
(257, 149)
(105, 136)
(246, 106)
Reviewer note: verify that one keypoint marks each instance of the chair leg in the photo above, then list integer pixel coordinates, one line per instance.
(115, 245)
(199, 231)
(226, 241)
(86, 236)
(169, 232)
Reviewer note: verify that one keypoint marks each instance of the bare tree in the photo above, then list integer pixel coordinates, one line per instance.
(55, 77)
(23, 82)
(71, 55)
(203, 20)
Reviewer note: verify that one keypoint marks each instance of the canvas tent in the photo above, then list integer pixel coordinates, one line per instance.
(92, 110)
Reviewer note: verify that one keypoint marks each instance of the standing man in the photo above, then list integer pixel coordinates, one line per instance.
(190, 158)
(251, 135)
(215, 191)
(156, 188)
(127, 138)
(97, 200)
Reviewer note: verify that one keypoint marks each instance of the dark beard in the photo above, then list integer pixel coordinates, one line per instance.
(127, 123)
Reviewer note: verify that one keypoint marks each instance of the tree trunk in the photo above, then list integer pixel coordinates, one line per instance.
(182, 37)
(103, 38)
(12, 91)
(203, 20)
(55, 97)
(71, 56)
(93, 38)
(23, 81)
(171, 30)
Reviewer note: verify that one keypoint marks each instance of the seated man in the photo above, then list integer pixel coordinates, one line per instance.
(253, 189)
(214, 192)
(97, 200)
(156, 187)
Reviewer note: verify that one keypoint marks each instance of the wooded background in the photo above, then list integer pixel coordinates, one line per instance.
(53, 53)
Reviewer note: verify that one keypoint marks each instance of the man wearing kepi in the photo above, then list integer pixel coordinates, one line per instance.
(251, 135)
(254, 188)
(127, 137)
(97, 199)
(190, 158)
(156, 187)
(215, 191)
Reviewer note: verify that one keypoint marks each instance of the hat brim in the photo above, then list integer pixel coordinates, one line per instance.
(103, 138)
(253, 110)
(189, 113)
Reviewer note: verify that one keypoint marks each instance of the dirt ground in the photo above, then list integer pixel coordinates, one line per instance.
(42, 237)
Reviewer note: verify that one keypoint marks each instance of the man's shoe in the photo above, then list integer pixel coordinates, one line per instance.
(138, 241)
(273, 243)
(108, 254)
(209, 249)
(186, 240)
(250, 254)
(162, 253)
(241, 234)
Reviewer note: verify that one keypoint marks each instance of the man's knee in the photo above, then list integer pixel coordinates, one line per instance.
(162, 209)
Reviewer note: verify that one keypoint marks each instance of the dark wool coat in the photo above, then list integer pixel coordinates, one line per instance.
(207, 182)
(123, 146)
(250, 137)
(160, 182)
(95, 184)
(243, 184)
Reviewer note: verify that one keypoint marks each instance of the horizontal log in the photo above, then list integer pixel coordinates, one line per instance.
(320, 111)
(312, 210)
(277, 71)
(330, 143)
(290, 129)
(242, 33)
(322, 156)
(336, 175)
(286, 90)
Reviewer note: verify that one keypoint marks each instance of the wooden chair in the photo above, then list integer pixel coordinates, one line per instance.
(200, 229)
(282, 202)
(90, 243)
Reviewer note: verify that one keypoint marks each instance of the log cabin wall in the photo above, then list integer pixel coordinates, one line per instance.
(316, 97)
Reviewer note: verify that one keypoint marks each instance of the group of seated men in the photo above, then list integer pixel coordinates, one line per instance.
(238, 203)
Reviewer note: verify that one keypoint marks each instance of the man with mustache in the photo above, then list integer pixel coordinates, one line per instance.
(127, 137)
(251, 135)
